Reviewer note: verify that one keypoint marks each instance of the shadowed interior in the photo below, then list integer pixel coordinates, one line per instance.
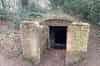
(58, 37)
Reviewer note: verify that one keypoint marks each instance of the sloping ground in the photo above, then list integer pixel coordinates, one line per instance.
(4, 61)
(53, 57)
(94, 47)
(11, 51)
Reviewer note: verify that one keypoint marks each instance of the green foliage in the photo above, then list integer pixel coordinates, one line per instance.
(88, 9)
(56, 4)
(24, 10)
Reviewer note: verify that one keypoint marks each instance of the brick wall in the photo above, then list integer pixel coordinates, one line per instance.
(10, 44)
(77, 43)
(34, 40)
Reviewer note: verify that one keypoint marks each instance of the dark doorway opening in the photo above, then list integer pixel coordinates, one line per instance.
(57, 36)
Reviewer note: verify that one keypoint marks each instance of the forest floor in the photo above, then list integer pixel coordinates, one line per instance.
(5, 61)
(53, 57)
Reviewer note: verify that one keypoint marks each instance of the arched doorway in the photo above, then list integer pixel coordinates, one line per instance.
(57, 41)
(57, 32)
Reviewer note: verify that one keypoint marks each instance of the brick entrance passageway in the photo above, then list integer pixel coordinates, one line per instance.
(53, 57)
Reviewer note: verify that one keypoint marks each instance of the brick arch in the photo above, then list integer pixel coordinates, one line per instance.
(56, 22)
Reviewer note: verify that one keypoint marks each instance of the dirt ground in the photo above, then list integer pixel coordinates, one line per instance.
(4, 61)
(53, 57)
